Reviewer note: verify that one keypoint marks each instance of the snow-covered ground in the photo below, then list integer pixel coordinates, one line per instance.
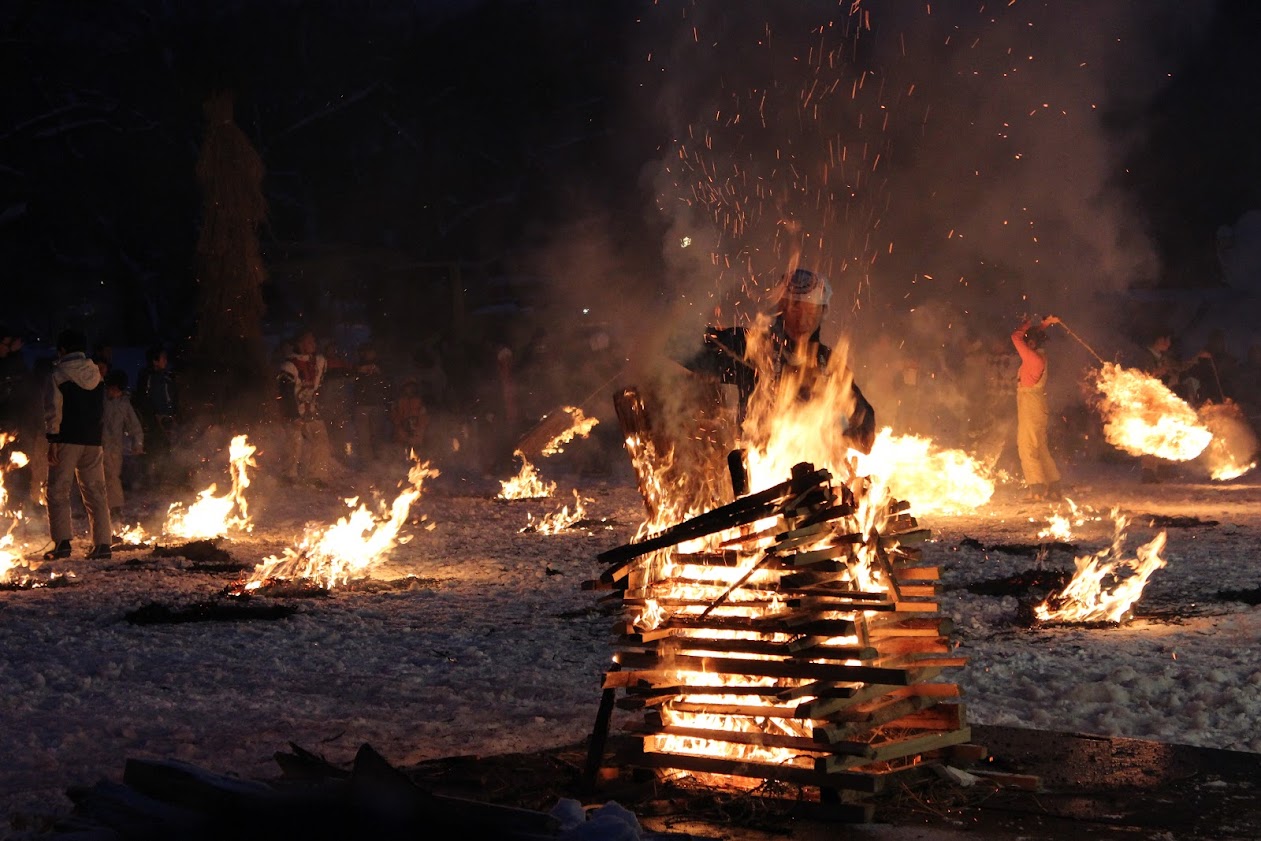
(494, 647)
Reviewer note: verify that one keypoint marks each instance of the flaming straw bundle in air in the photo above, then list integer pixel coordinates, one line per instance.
(1143, 417)
(212, 516)
(348, 549)
(527, 484)
(1106, 584)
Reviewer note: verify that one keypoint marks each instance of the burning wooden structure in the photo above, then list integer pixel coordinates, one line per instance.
(800, 644)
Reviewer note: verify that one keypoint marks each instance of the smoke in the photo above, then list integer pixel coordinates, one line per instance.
(950, 166)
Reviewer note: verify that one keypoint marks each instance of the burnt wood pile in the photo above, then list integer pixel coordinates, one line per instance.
(802, 646)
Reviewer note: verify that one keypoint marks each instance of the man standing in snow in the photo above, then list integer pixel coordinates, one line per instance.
(1042, 477)
(74, 405)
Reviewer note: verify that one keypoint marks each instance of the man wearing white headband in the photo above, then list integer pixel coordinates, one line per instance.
(793, 342)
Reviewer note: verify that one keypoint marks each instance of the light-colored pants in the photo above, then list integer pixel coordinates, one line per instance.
(307, 447)
(87, 464)
(1032, 416)
(113, 476)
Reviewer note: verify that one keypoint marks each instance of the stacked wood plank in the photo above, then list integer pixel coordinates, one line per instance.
(819, 621)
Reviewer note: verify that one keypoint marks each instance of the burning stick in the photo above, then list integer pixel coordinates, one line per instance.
(1143, 417)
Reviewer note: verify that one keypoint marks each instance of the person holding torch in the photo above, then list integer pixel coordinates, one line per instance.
(1042, 477)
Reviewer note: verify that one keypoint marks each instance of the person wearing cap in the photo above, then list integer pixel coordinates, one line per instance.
(1042, 477)
(793, 343)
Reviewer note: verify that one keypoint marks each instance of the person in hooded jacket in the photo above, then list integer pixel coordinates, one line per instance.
(74, 407)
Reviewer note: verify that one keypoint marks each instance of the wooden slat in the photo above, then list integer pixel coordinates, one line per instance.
(839, 779)
(765, 648)
(897, 626)
(770, 668)
(748, 711)
(895, 748)
(889, 708)
(827, 707)
(734, 737)
(917, 573)
(831, 552)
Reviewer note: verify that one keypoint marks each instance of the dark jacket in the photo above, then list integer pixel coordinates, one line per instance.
(154, 398)
(723, 356)
(74, 402)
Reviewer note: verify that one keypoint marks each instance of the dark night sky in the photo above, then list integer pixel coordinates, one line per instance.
(956, 161)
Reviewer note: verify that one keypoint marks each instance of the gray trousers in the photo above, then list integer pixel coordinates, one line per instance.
(86, 463)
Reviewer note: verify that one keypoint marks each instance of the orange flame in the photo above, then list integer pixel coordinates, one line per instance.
(1233, 450)
(934, 480)
(1060, 524)
(527, 484)
(1106, 584)
(9, 559)
(1143, 417)
(558, 521)
(349, 548)
(212, 516)
(580, 427)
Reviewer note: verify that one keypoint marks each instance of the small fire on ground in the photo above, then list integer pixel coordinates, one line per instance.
(557, 521)
(1060, 524)
(9, 559)
(1106, 584)
(335, 555)
(211, 515)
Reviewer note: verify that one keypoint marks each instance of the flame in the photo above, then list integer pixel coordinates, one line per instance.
(211, 516)
(526, 484)
(580, 426)
(1233, 450)
(1059, 526)
(9, 559)
(1143, 417)
(1106, 584)
(936, 481)
(348, 549)
(559, 520)
(793, 418)
(133, 535)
